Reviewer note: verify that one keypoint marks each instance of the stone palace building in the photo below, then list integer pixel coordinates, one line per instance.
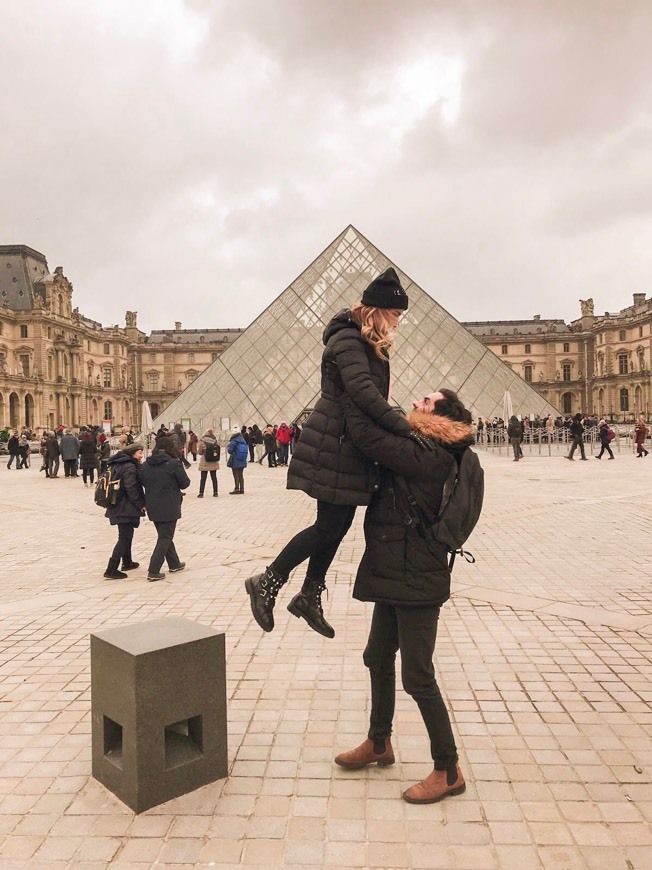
(57, 366)
(598, 364)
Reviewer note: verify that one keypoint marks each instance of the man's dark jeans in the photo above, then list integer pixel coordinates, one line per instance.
(578, 441)
(319, 543)
(413, 630)
(70, 467)
(164, 548)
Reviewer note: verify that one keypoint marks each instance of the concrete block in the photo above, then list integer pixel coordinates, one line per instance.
(158, 702)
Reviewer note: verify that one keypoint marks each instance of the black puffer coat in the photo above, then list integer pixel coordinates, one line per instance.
(164, 478)
(399, 566)
(326, 464)
(129, 508)
(88, 454)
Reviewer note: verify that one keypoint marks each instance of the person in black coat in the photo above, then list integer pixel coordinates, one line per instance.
(163, 478)
(326, 464)
(88, 457)
(126, 514)
(407, 576)
(603, 435)
(52, 454)
(577, 433)
(13, 447)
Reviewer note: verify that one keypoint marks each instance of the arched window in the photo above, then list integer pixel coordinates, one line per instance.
(566, 347)
(624, 399)
(503, 349)
(528, 349)
(191, 357)
(108, 411)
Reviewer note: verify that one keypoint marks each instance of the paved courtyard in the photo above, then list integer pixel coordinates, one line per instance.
(544, 655)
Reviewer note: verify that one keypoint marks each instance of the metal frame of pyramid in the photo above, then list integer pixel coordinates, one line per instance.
(271, 372)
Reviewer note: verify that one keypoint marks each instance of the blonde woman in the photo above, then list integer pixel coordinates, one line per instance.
(326, 464)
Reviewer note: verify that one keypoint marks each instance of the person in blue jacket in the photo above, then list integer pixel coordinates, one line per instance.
(238, 451)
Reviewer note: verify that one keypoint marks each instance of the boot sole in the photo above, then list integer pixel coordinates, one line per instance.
(296, 611)
(249, 586)
(459, 790)
(387, 763)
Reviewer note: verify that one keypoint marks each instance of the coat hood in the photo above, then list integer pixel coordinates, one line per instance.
(342, 320)
(448, 432)
(158, 459)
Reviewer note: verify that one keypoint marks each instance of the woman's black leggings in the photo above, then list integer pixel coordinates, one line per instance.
(125, 538)
(319, 543)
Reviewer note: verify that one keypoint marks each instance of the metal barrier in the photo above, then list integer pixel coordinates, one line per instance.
(540, 441)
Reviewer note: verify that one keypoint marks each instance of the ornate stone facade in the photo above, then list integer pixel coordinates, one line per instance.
(598, 364)
(57, 366)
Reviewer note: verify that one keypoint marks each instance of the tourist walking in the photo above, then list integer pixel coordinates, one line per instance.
(209, 461)
(69, 448)
(515, 435)
(407, 577)
(605, 435)
(23, 451)
(14, 450)
(192, 445)
(164, 479)
(88, 458)
(326, 464)
(53, 454)
(577, 434)
(640, 434)
(130, 508)
(269, 442)
(238, 455)
(178, 437)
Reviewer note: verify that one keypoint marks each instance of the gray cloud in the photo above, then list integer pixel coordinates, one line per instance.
(196, 156)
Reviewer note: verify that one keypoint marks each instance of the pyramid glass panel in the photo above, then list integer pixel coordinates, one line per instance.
(272, 371)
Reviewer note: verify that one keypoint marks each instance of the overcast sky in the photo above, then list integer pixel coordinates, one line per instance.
(189, 159)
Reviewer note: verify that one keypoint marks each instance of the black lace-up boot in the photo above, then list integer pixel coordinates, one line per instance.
(307, 605)
(263, 589)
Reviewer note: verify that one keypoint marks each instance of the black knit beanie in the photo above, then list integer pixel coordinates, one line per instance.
(385, 291)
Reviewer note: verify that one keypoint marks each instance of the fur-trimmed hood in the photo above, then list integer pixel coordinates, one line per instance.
(442, 429)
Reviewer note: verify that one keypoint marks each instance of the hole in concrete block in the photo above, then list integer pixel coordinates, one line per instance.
(113, 742)
(183, 742)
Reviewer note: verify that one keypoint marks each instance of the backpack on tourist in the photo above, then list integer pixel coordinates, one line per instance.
(108, 490)
(241, 451)
(212, 452)
(460, 508)
(610, 433)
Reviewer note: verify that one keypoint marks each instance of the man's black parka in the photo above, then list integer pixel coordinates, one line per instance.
(399, 566)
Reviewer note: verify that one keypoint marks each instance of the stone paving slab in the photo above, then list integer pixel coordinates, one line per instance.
(543, 654)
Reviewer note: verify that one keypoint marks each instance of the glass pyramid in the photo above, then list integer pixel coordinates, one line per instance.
(272, 371)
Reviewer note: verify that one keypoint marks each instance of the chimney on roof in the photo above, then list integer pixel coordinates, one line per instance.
(639, 298)
(177, 325)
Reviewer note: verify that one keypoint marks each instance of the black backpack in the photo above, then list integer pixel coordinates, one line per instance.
(212, 452)
(460, 507)
(108, 490)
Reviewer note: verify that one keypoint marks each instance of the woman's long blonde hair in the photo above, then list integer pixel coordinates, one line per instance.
(374, 328)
